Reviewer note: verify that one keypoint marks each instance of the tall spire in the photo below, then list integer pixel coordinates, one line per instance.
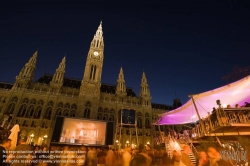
(97, 41)
(26, 75)
(28, 70)
(145, 92)
(60, 71)
(121, 86)
(57, 80)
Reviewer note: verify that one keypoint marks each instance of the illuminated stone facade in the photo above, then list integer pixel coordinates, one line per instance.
(35, 104)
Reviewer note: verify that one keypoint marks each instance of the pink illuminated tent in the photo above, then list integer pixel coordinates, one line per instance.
(231, 94)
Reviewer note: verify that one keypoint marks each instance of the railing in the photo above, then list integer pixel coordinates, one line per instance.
(221, 117)
(194, 151)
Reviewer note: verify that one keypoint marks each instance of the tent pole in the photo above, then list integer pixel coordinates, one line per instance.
(200, 120)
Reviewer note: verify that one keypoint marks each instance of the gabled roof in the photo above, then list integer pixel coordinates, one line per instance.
(231, 94)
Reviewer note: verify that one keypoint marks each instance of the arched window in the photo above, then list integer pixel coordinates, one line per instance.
(111, 117)
(11, 108)
(100, 110)
(30, 111)
(22, 110)
(72, 113)
(66, 112)
(99, 116)
(105, 117)
(48, 113)
(92, 72)
(38, 112)
(147, 123)
(139, 122)
(86, 113)
(59, 112)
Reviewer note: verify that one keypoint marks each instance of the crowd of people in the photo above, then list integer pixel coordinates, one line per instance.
(26, 155)
(210, 158)
(144, 155)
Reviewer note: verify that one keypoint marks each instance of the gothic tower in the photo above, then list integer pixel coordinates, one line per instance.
(120, 87)
(26, 75)
(57, 80)
(145, 92)
(91, 82)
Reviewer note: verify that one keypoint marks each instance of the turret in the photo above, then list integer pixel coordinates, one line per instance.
(57, 80)
(145, 92)
(26, 75)
(121, 86)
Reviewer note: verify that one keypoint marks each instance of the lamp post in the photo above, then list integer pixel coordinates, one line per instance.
(117, 142)
(45, 138)
(127, 142)
(31, 138)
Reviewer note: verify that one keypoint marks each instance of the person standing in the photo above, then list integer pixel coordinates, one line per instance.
(4, 159)
(23, 153)
(126, 156)
(215, 158)
(185, 159)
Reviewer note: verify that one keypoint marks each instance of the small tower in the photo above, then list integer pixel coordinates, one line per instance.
(121, 86)
(145, 92)
(57, 80)
(26, 75)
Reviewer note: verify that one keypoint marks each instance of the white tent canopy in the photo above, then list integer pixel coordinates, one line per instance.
(231, 94)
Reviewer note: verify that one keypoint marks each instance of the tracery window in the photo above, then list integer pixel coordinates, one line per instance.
(86, 113)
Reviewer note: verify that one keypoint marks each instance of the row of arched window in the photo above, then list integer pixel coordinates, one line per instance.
(33, 109)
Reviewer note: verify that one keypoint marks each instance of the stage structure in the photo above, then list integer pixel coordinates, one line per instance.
(127, 118)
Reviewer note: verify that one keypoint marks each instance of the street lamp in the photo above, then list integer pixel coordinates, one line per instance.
(31, 138)
(45, 138)
(127, 142)
(117, 142)
(148, 143)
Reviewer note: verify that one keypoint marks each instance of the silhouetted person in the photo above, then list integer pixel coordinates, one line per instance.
(23, 149)
(4, 160)
(247, 104)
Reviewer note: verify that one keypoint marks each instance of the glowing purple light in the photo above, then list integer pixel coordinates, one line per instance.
(231, 94)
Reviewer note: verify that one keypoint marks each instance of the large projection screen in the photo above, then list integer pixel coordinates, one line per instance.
(81, 131)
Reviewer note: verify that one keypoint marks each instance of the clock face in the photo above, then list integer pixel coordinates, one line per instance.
(96, 53)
